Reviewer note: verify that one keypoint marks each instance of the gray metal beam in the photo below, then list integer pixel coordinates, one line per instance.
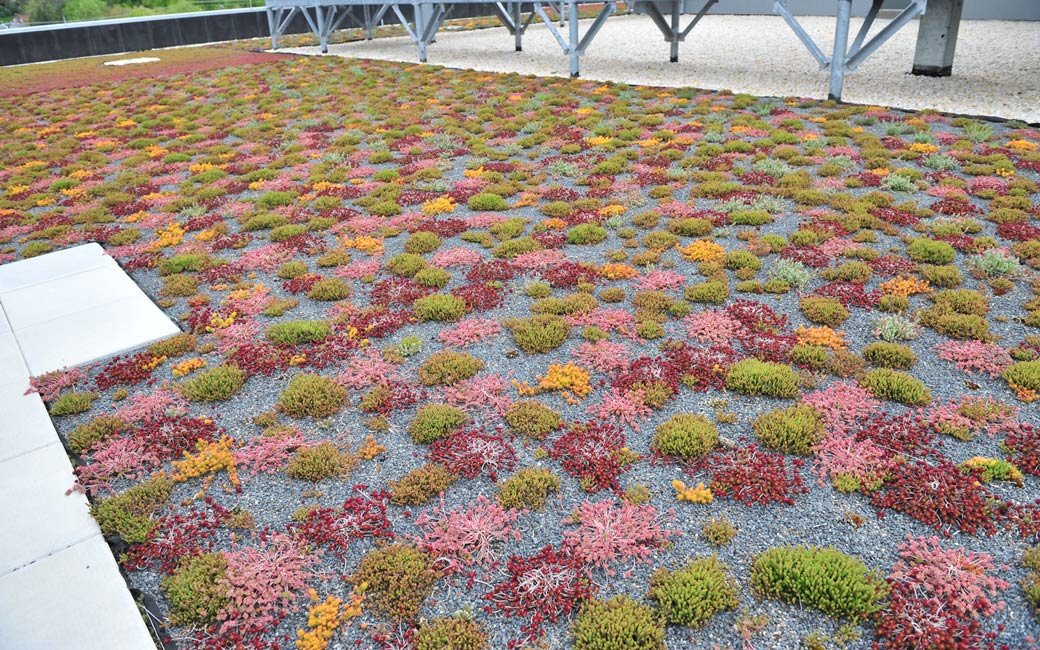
(575, 44)
(937, 38)
(858, 55)
(780, 7)
(518, 29)
(868, 20)
(670, 28)
(841, 42)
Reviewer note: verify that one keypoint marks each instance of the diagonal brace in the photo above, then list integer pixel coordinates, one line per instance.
(404, 22)
(277, 21)
(574, 45)
(780, 7)
(671, 32)
(540, 10)
(858, 53)
(597, 25)
(432, 24)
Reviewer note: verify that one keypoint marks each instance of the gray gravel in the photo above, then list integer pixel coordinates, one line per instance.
(996, 69)
(818, 518)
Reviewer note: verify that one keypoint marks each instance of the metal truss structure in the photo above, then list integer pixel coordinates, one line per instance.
(844, 58)
(422, 18)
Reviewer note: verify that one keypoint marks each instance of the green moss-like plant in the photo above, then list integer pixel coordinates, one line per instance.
(184, 262)
(435, 421)
(713, 292)
(422, 242)
(570, 304)
(742, 260)
(406, 264)
(129, 514)
(540, 333)
(889, 355)
(400, 578)
(853, 271)
(195, 590)
(290, 270)
(487, 202)
(1024, 374)
(442, 307)
(533, 419)
(446, 368)
(685, 435)
(754, 377)
(750, 217)
(288, 231)
(433, 277)
(791, 430)
(962, 301)
(992, 469)
(417, 487)
(264, 221)
(72, 403)
(617, 624)
(295, 332)
(513, 247)
(825, 311)
(90, 433)
(885, 383)
(944, 276)
(694, 227)
(213, 385)
(272, 200)
(586, 233)
(930, 251)
(949, 323)
(528, 489)
(826, 579)
(320, 462)
(175, 346)
(179, 285)
(333, 259)
(718, 531)
(329, 290)
(36, 248)
(814, 357)
(660, 241)
(692, 595)
(312, 395)
(451, 634)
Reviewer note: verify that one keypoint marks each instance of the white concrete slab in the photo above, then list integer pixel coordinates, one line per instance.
(26, 425)
(39, 519)
(94, 333)
(5, 326)
(73, 599)
(59, 584)
(134, 61)
(43, 268)
(12, 364)
(48, 300)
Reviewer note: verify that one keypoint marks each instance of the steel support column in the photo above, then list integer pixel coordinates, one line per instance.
(841, 43)
(937, 38)
(572, 29)
(278, 19)
(670, 28)
(574, 45)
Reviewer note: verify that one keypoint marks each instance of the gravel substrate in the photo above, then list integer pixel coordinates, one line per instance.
(337, 138)
(996, 70)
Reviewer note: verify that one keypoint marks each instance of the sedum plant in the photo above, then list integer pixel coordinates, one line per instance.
(826, 579)
(620, 623)
(693, 594)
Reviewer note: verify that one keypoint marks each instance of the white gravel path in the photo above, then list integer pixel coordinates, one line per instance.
(996, 70)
